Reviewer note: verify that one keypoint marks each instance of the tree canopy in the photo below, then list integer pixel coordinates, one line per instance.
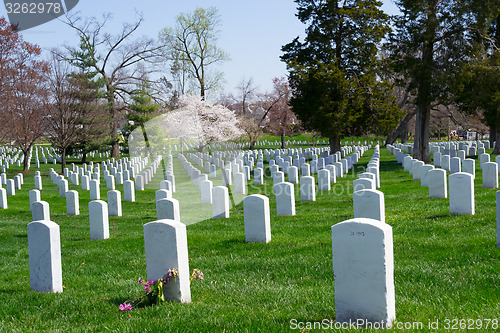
(333, 72)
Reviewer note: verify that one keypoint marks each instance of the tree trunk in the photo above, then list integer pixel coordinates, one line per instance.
(84, 157)
(63, 160)
(400, 130)
(334, 144)
(283, 132)
(424, 97)
(26, 160)
(496, 151)
(493, 135)
(404, 134)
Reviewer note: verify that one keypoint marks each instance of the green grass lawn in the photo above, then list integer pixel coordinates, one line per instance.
(446, 267)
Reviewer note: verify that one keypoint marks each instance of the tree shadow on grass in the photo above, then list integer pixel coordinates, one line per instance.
(432, 217)
(390, 166)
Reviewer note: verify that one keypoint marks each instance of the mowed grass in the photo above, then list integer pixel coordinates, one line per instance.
(446, 267)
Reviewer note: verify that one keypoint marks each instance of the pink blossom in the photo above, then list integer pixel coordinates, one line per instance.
(125, 307)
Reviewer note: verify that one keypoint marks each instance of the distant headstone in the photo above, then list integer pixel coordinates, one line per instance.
(114, 203)
(363, 184)
(363, 265)
(38, 183)
(285, 198)
(455, 165)
(293, 174)
(220, 202)
(3, 198)
(72, 203)
(469, 166)
(99, 221)
(40, 211)
(257, 218)
(206, 191)
(307, 188)
(168, 209)
(239, 183)
(128, 191)
(34, 195)
(169, 238)
(162, 194)
(490, 175)
(139, 183)
(436, 179)
(95, 190)
(85, 183)
(369, 204)
(423, 173)
(44, 247)
(324, 180)
(461, 194)
(258, 175)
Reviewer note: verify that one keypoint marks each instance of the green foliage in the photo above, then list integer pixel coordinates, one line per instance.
(141, 111)
(335, 90)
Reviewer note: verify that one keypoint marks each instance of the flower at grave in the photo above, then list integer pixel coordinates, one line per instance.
(153, 290)
(197, 274)
(125, 307)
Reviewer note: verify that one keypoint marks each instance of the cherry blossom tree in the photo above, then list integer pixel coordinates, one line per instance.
(195, 122)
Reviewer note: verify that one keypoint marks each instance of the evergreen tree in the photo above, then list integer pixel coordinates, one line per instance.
(432, 39)
(336, 90)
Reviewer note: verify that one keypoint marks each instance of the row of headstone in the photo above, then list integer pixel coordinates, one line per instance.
(461, 184)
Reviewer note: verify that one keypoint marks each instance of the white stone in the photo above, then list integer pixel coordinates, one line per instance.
(333, 173)
(436, 180)
(110, 182)
(128, 191)
(44, 247)
(278, 177)
(339, 169)
(95, 190)
(220, 202)
(168, 208)
(307, 188)
(85, 183)
(114, 203)
(424, 169)
(363, 184)
(415, 169)
(369, 204)
(11, 187)
(257, 218)
(34, 195)
(293, 175)
(461, 194)
(239, 183)
(72, 203)
(483, 158)
(99, 221)
(363, 265)
(38, 183)
(305, 169)
(165, 243)
(3, 198)
(63, 187)
(490, 175)
(323, 180)
(469, 166)
(285, 198)
(162, 194)
(445, 162)
(258, 175)
(139, 183)
(376, 172)
(206, 191)
(455, 165)
(40, 211)
(166, 185)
